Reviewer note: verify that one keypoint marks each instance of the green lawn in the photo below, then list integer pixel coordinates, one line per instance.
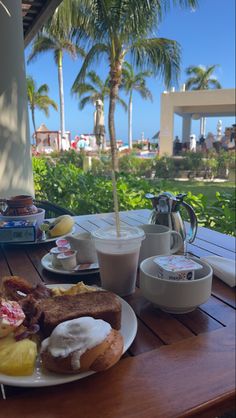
(207, 188)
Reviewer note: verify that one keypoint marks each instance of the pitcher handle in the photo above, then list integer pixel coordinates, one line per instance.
(193, 222)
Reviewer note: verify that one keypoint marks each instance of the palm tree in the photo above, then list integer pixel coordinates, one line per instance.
(56, 36)
(202, 78)
(134, 82)
(94, 89)
(38, 99)
(119, 28)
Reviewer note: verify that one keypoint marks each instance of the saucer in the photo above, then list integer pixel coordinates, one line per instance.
(81, 269)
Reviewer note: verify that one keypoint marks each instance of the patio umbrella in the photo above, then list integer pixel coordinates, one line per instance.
(156, 136)
(99, 127)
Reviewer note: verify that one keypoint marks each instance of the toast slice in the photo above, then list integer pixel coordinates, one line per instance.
(99, 305)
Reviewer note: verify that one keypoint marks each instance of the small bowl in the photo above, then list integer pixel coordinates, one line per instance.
(172, 296)
(38, 217)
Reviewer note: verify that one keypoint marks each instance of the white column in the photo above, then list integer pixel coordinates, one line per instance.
(186, 128)
(166, 125)
(15, 150)
(203, 127)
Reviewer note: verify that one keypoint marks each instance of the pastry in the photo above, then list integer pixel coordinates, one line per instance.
(80, 345)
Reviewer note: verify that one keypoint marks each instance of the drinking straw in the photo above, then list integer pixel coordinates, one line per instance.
(3, 392)
(116, 206)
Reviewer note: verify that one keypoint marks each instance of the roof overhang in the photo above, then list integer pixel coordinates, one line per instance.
(216, 103)
(34, 14)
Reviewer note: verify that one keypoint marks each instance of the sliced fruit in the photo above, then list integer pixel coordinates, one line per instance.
(17, 358)
(61, 226)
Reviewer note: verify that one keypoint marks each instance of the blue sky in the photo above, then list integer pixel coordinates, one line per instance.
(206, 36)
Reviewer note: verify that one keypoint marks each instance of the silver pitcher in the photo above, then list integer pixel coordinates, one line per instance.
(166, 212)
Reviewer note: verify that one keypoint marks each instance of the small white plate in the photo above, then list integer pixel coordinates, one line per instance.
(42, 378)
(46, 262)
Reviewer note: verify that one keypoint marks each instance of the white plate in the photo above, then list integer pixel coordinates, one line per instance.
(47, 264)
(38, 378)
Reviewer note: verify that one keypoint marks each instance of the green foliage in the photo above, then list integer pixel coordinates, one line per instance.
(63, 181)
(218, 214)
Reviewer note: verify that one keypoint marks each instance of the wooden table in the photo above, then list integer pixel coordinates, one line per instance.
(177, 366)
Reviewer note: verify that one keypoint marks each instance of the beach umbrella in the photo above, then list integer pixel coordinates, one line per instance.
(99, 127)
(156, 136)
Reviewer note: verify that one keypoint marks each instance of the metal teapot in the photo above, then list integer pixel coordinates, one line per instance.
(166, 212)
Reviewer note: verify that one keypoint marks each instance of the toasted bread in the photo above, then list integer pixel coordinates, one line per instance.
(99, 305)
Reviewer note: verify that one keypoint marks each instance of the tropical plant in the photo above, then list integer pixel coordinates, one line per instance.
(93, 89)
(56, 36)
(66, 184)
(131, 82)
(119, 28)
(202, 78)
(38, 99)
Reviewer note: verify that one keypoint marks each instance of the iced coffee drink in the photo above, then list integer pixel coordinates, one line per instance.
(118, 258)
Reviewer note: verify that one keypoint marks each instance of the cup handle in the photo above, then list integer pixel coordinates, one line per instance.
(177, 242)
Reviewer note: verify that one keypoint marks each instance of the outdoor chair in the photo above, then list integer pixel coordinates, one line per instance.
(52, 210)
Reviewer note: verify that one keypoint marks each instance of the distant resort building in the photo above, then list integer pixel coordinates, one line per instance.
(48, 141)
(193, 105)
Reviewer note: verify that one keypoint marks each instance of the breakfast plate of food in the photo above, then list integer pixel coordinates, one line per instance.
(54, 334)
(84, 269)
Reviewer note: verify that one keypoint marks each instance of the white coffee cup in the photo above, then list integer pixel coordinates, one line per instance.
(84, 245)
(160, 240)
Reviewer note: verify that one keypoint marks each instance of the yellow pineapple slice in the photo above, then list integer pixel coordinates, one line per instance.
(17, 358)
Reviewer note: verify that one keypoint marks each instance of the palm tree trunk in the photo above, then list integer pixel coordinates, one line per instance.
(34, 124)
(115, 77)
(130, 119)
(61, 96)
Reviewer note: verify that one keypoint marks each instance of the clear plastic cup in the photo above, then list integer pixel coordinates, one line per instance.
(118, 257)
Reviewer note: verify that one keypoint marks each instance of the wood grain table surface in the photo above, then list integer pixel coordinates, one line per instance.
(177, 366)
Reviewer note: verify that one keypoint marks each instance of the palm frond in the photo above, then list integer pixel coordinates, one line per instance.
(144, 91)
(202, 78)
(159, 55)
(43, 43)
(122, 103)
(43, 89)
(82, 88)
(190, 83)
(44, 102)
(215, 83)
(94, 77)
(86, 100)
(94, 52)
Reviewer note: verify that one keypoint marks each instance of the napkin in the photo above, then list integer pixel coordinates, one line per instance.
(223, 268)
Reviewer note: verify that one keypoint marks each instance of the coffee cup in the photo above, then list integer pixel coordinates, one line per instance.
(118, 257)
(84, 245)
(159, 240)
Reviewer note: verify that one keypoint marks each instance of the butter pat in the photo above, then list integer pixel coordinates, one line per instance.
(176, 267)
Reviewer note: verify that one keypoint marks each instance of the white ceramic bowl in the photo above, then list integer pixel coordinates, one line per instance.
(38, 217)
(175, 296)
